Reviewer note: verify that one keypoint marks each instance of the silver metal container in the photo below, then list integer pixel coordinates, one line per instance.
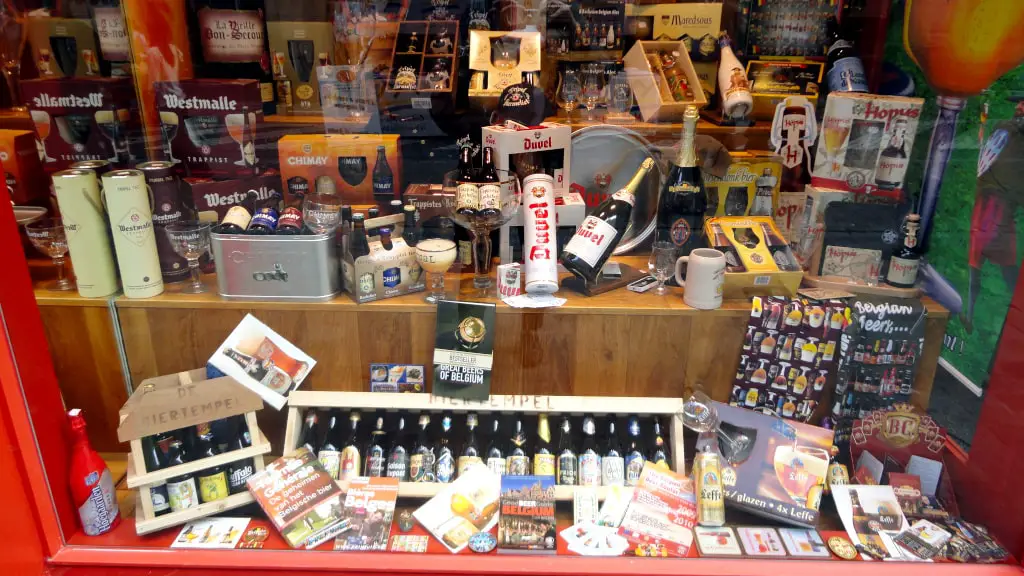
(276, 268)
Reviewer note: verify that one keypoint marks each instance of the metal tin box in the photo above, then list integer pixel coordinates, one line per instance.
(276, 268)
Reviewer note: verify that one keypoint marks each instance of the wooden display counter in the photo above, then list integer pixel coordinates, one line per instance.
(616, 344)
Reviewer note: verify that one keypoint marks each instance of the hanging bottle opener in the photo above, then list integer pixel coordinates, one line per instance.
(786, 128)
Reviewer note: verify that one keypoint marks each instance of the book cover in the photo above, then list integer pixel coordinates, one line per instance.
(463, 508)
(527, 521)
(300, 498)
(464, 350)
(369, 506)
(660, 518)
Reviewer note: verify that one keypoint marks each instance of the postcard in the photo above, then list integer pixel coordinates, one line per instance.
(717, 541)
(761, 541)
(211, 533)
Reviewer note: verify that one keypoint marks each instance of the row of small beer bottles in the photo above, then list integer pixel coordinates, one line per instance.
(435, 457)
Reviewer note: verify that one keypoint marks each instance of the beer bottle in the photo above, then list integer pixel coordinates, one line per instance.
(683, 199)
(329, 453)
(470, 451)
(359, 246)
(490, 189)
(844, 70)
(659, 449)
(467, 193)
(351, 463)
(445, 467)
(182, 492)
(290, 223)
(383, 179)
(612, 464)
(372, 213)
(376, 453)
(589, 458)
(385, 238)
(236, 221)
(398, 457)
(721, 242)
(906, 260)
(264, 222)
(409, 233)
(566, 455)
(155, 461)
(213, 482)
(543, 454)
(311, 432)
(395, 207)
(518, 461)
(240, 471)
(421, 463)
(634, 453)
(778, 249)
(495, 453)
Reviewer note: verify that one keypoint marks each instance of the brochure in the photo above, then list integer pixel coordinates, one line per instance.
(872, 517)
(661, 515)
(464, 350)
(369, 506)
(211, 533)
(527, 520)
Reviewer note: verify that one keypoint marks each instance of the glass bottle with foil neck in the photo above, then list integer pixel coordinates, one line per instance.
(683, 200)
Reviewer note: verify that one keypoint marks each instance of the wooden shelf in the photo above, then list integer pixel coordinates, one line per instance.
(258, 448)
(524, 403)
(427, 490)
(158, 523)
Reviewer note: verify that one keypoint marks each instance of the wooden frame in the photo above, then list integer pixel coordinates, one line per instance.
(300, 401)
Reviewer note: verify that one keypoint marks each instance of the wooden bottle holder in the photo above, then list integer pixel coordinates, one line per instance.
(300, 401)
(177, 401)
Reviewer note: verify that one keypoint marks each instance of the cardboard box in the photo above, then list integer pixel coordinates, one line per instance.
(521, 149)
(213, 198)
(63, 47)
(750, 187)
(204, 122)
(790, 214)
(673, 21)
(383, 273)
(20, 158)
(866, 142)
(771, 81)
(482, 44)
(810, 233)
(763, 274)
(298, 48)
(779, 473)
(432, 67)
(74, 119)
(343, 163)
(649, 86)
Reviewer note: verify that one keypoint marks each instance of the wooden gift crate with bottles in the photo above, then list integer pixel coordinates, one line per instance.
(759, 262)
(424, 59)
(655, 85)
(666, 411)
(499, 59)
(177, 401)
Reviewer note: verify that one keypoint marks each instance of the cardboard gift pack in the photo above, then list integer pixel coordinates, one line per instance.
(771, 81)
(85, 119)
(424, 59)
(522, 149)
(487, 47)
(769, 265)
(213, 198)
(20, 158)
(383, 273)
(63, 47)
(336, 163)
(749, 187)
(674, 21)
(651, 88)
(296, 49)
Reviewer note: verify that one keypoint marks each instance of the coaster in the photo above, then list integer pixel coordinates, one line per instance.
(759, 541)
(804, 543)
(482, 542)
(254, 537)
(842, 548)
(719, 541)
(409, 543)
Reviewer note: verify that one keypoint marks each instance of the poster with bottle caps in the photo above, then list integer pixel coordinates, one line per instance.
(789, 352)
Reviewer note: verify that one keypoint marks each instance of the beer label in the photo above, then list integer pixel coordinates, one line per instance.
(626, 196)
(158, 496)
(99, 511)
(240, 473)
(543, 464)
(634, 465)
(376, 465)
(349, 463)
(518, 465)
(264, 217)
(710, 487)
(398, 466)
(590, 469)
(231, 35)
(383, 186)
(238, 216)
(612, 471)
(112, 33)
(497, 465)
(421, 468)
(567, 469)
(467, 195)
(593, 238)
(890, 171)
(466, 461)
(290, 217)
(490, 197)
(466, 252)
(213, 487)
(902, 271)
(331, 459)
(847, 75)
(183, 494)
(445, 469)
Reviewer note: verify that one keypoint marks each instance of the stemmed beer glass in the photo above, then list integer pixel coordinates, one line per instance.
(190, 240)
(47, 235)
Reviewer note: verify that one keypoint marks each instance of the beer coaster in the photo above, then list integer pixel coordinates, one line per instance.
(414, 543)
(717, 541)
(482, 542)
(842, 548)
(255, 537)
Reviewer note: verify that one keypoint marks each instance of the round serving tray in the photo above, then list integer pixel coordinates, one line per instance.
(604, 158)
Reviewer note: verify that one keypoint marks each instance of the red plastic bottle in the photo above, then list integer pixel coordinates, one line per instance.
(92, 486)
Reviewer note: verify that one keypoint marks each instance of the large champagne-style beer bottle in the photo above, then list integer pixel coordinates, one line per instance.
(131, 220)
(599, 234)
(85, 224)
(683, 199)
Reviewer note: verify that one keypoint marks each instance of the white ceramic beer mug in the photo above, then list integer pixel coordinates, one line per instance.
(705, 275)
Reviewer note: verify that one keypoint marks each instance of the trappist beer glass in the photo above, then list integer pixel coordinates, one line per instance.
(321, 212)
(568, 95)
(436, 255)
(190, 240)
(47, 235)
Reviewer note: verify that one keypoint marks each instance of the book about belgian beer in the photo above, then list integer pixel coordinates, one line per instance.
(300, 498)
(464, 350)
(527, 521)
(369, 506)
(262, 360)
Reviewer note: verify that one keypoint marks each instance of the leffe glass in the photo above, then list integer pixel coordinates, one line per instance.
(661, 264)
(190, 240)
(480, 226)
(591, 94)
(799, 468)
(47, 235)
(568, 95)
(13, 33)
(435, 256)
(322, 212)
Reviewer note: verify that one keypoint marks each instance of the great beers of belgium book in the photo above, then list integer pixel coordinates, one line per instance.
(527, 520)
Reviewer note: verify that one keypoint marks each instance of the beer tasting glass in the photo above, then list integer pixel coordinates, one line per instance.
(47, 235)
(190, 240)
(592, 94)
(322, 212)
(435, 255)
(568, 95)
(620, 97)
(662, 264)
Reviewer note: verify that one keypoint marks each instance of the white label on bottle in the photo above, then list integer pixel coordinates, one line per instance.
(592, 239)
(497, 465)
(467, 195)
(890, 170)
(626, 196)
(112, 33)
(331, 459)
(612, 471)
(590, 470)
(183, 494)
(847, 75)
(902, 271)
(490, 197)
(99, 511)
(231, 35)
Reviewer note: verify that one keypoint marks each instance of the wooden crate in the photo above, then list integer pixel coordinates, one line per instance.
(300, 401)
(191, 399)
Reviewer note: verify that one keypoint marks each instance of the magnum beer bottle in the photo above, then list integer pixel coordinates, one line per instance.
(683, 199)
(383, 179)
(599, 234)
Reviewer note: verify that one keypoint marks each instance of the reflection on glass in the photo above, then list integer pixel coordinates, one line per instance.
(111, 124)
(169, 129)
(65, 53)
(13, 33)
(42, 122)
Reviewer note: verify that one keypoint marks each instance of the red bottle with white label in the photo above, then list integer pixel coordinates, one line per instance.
(92, 486)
